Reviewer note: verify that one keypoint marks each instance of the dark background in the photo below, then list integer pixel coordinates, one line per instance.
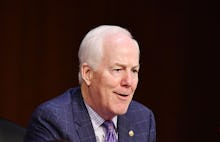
(179, 77)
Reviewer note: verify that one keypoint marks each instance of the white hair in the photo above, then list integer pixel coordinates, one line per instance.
(90, 50)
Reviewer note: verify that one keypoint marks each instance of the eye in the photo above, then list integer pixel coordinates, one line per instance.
(135, 71)
(117, 70)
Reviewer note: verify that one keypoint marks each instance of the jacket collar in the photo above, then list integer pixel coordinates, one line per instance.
(82, 120)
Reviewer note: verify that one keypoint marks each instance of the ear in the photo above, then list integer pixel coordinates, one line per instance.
(86, 72)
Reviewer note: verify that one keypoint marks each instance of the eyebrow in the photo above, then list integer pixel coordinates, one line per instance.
(124, 65)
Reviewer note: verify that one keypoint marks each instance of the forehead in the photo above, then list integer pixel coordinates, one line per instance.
(120, 49)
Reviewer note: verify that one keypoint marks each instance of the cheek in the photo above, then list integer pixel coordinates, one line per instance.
(110, 81)
(134, 85)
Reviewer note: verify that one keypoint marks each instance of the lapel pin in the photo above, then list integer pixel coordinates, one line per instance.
(131, 133)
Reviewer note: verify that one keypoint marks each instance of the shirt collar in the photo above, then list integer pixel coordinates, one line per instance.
(96, 119)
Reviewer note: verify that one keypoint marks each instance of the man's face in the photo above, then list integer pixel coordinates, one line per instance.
(115, 80)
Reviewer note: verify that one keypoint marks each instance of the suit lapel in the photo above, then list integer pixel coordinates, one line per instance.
(85, 131)
(82, 121)
(124, 127)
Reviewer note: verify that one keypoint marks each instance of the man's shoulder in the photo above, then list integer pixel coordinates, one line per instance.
(62, 101)
(137, 105)
(54, 117)
(139, 109)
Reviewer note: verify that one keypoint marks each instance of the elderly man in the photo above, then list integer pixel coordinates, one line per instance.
(101, 109)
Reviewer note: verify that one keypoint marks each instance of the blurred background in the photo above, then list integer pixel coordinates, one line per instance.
(179, 40)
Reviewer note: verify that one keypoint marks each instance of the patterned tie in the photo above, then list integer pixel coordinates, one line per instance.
(110, 131)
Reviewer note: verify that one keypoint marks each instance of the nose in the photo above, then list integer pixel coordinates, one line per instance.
(127, 79)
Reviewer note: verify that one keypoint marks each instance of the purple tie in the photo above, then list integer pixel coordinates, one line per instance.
(110, 131)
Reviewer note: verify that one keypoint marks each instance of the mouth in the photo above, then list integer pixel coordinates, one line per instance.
(121, 94)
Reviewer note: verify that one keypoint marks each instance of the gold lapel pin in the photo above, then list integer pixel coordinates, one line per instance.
(131, 133)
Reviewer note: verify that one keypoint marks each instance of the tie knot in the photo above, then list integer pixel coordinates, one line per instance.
(109, 125)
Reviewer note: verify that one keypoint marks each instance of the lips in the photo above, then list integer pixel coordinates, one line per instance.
(122, 94)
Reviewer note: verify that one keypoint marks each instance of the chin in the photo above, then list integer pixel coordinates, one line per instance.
(121, 111)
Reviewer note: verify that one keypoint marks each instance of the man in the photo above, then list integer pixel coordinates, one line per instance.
(108, 76)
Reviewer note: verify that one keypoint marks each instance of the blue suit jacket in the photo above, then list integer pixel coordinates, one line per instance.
(66, 117)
